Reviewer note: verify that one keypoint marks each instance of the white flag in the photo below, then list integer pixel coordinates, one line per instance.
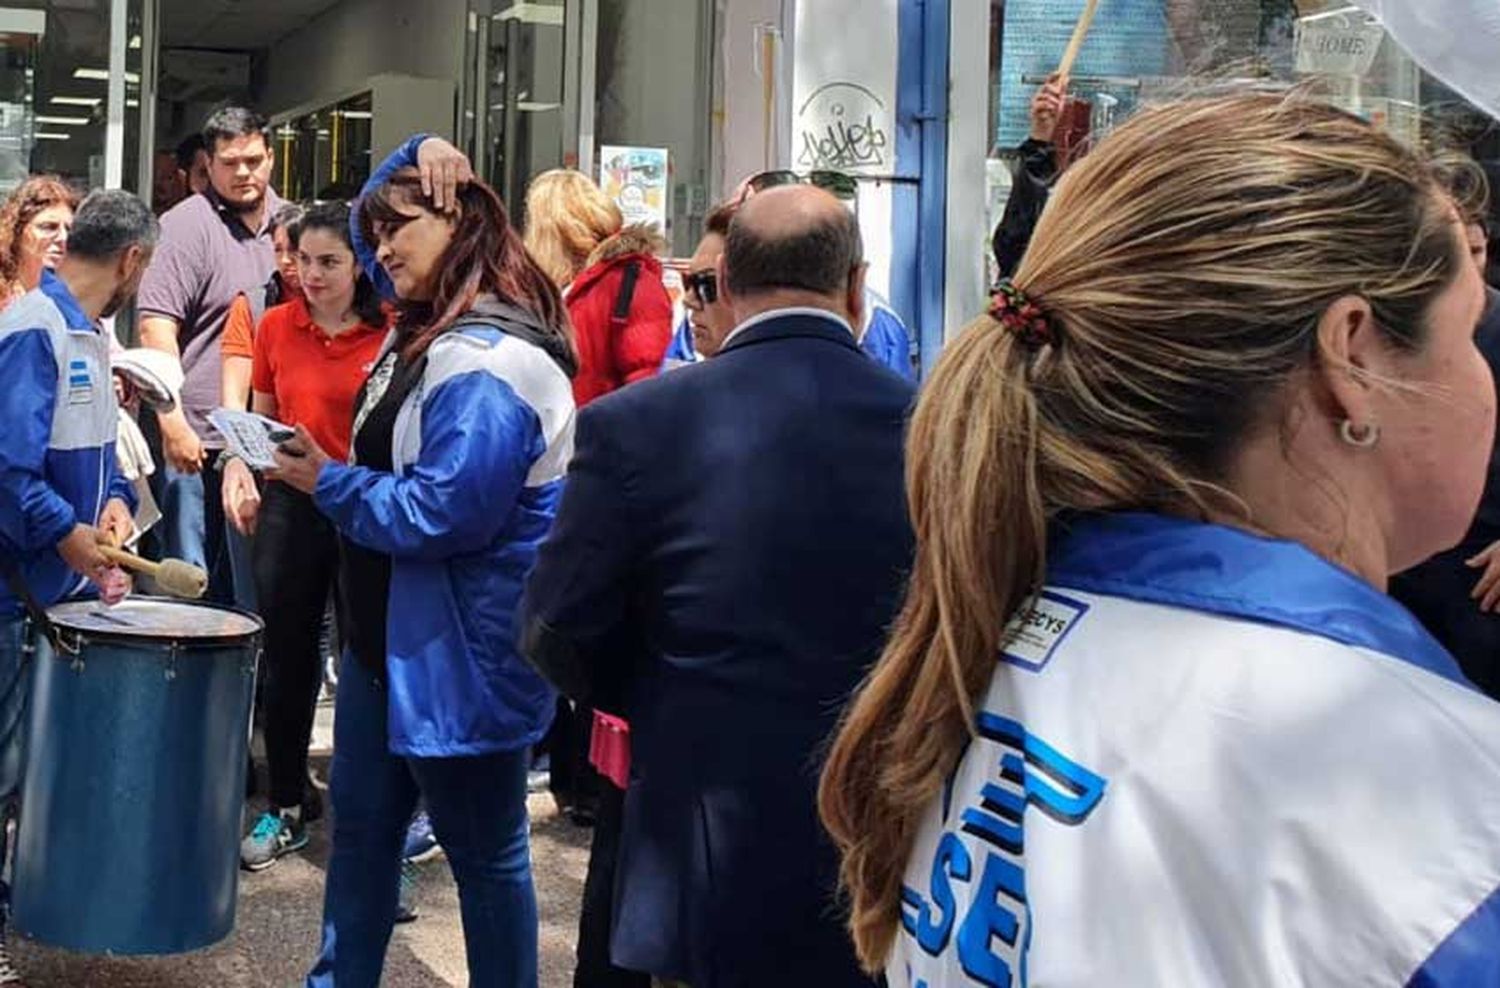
(1458, 41)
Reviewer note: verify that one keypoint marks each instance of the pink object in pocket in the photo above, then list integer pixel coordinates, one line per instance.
(609, 748)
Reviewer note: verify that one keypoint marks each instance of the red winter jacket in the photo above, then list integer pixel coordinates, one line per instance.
(612, 352)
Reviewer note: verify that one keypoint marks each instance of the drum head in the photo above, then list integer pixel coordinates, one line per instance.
(155, 619)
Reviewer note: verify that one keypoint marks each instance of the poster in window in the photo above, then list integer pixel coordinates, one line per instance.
(637, 180)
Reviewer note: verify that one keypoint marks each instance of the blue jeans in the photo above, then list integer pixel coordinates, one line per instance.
(183, 533)
(240, 549)
(194, 529)
(477, 806)
(15, 702)
(15, 706)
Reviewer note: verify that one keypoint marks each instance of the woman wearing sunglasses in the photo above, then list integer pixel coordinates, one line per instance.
(708, 319)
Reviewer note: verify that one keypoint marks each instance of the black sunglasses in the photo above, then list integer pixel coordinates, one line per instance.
(837, 184)
(703, 284)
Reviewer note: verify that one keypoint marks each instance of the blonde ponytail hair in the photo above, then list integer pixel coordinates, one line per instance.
(1184, 265)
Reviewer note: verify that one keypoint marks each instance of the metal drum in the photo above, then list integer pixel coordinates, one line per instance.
(135, 777)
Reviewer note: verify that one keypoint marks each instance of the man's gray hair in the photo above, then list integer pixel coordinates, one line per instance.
(817, 258)
(109, 221)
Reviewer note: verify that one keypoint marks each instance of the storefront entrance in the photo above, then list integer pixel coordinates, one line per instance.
(550, 85)
(70, 91)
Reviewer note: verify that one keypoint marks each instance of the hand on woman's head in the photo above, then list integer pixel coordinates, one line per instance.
(444, 170)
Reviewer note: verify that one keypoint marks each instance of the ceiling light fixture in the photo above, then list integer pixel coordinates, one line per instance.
(102, 75)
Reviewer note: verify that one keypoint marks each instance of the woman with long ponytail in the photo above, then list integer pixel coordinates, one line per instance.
(1147, 716)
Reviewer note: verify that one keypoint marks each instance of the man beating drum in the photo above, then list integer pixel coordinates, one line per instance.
(63, 501)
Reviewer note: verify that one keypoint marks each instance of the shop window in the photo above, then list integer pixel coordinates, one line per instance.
(54, 78)
(1142, 51)
(552, 84)
(516, 121)
(325, 154)
(654, 77)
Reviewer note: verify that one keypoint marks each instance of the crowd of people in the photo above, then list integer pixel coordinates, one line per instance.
(802, 643)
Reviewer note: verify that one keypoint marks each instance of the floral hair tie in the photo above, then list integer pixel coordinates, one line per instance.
(1014, 310)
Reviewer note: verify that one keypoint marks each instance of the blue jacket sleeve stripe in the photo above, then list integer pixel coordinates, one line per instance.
(28, 394)
(1469, 956)
(403, 157)
(479, 440)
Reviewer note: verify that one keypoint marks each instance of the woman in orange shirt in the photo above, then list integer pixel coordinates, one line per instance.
(312, 354)
(237, 348)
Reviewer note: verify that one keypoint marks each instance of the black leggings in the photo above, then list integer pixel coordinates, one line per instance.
(296, 560)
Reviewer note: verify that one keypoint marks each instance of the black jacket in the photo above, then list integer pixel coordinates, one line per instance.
(1036, 170)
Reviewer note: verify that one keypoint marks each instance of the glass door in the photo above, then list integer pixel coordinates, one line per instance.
(550, 84)
(513, 120)
(325, 154)
(56, 61)
(652, 67)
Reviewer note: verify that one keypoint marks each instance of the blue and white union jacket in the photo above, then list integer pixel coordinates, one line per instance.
(58, 418)
(1211, 759)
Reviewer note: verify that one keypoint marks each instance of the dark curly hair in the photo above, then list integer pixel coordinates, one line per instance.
(27, 200)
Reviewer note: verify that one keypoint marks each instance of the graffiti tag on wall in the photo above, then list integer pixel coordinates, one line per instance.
(842, 126)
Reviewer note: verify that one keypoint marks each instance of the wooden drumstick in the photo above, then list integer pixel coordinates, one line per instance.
(178, 578)
(1075, 44)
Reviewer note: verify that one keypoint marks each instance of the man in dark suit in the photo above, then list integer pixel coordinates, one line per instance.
(725, 586)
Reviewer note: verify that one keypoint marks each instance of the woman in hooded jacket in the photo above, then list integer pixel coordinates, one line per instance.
(461, 436)
(610, 276)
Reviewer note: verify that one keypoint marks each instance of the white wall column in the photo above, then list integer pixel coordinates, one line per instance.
(969, 105)
(114, 127)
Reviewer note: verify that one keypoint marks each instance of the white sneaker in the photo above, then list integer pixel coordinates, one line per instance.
(9, 976)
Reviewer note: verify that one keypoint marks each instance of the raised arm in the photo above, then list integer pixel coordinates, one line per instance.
(444, 169)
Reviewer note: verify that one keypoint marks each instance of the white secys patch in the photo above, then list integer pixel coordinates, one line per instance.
(1036, 631)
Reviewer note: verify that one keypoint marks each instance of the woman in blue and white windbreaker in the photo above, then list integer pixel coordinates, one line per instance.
(461, 439)
(1148, 717)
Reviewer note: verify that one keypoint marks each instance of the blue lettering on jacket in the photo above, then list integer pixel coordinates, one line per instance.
(995, 933)
(951, 861)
